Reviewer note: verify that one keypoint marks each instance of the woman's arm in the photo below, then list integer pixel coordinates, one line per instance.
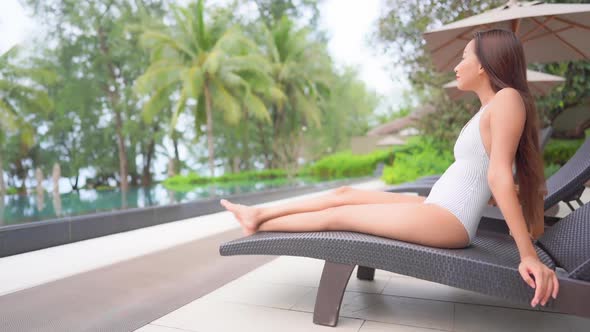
(507, 120)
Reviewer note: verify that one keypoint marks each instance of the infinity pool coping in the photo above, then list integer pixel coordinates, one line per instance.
(30, 236)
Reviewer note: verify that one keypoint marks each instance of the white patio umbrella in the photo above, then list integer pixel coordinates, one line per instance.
(539, 84)
(549, 32)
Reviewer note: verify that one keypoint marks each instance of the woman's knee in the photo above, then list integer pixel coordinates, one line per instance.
(341, 218)
(332, 219)
(343, 189)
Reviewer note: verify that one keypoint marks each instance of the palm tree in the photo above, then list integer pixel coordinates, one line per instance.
(212, 63)
(19, 99)
(302, 70)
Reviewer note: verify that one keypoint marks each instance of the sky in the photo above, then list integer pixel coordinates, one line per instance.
(349, 24)
(14, 25)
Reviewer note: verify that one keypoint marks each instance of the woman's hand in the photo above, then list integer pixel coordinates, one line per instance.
(545, 282)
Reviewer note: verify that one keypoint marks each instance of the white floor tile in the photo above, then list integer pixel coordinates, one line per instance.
(470, 317)
(159, 328)
(259, 293)
(298, 271)
(370, 326)
(418, 288)
(375, 286)
(389, 309)
(577, 323)
(304, 271)
(213, 316)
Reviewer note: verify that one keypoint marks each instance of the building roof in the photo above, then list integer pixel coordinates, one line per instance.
(401, 123)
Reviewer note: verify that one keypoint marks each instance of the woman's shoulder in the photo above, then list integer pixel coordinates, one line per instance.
(508, 104)
(507, 101)
(509, 95)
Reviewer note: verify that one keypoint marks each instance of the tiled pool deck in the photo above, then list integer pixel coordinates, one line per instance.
(276, 296)
(280, 295)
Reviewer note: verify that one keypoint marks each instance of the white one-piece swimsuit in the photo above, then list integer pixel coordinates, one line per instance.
(463, 188)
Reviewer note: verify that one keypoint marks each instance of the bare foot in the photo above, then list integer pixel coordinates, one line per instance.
(246, 215)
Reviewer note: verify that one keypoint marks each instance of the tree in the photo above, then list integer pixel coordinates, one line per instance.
(575, 91)
(209, 62)
(107, 56)
(272, 11)
(303, 72)
(348, 109)
(22, 98)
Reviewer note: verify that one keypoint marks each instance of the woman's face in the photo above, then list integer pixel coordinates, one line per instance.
(468, 71)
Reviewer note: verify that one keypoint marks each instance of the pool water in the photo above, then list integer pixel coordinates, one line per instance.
(18, 209)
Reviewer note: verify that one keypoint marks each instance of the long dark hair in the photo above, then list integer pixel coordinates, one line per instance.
(501, 55)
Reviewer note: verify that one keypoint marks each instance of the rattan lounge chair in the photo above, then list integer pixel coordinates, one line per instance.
(566, 185)
(488, 266)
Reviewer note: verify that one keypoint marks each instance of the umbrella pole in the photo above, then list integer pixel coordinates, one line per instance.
(515, 26)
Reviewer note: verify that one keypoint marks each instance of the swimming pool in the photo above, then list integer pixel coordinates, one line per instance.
(19, 209)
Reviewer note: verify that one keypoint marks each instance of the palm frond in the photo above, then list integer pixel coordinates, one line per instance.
(226, 102)
(157, 76)
(232, 80)
(193, 80)
(10, 53)
(255, 106)
(38, 75)
(184, 22)
(30, 100)
(151, 38)
(211, 63)
(26, 133)
(158, 101)
(248, 62)
(308, 108)
(199, 26)
(180, 104)
(7, 117)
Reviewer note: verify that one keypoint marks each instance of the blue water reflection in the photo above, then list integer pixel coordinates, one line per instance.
(17, 209)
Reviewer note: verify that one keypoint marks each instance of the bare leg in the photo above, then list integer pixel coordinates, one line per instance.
(425, 224)
(252, 217)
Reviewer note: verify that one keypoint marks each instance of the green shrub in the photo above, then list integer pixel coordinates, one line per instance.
(104, 187)
(346, 164)
(339, 165)
(190, 181)
(559, 151)
(250, 175)
(11, 191)
(550, 169)
(420, 156)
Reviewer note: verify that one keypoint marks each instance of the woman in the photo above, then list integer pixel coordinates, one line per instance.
(500, 137)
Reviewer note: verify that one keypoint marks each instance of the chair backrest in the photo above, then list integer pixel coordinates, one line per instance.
(544, 136)
(568, 243)
(570, 177)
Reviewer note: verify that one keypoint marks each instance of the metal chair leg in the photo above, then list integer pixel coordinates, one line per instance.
(365, 273)
(335, 277)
